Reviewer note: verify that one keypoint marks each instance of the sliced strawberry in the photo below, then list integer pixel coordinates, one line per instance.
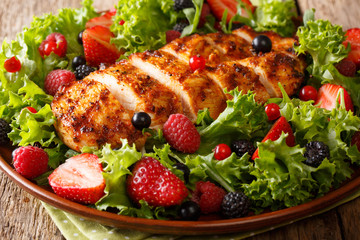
(327, 95)
(79, 179)
(218, 7)
(97, 46)
(353, 37)
(281, 125)
(103, 20)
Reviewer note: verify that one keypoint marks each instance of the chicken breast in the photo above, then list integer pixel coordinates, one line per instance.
(195, 90)
(138, 92)
(89, 115)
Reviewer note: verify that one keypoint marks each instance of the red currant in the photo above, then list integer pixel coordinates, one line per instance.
(12, 64)
(197, 62)
(308, 93)
(222, 151)
(272, 111)
(55, 42)
(121, 22)
(31, 109)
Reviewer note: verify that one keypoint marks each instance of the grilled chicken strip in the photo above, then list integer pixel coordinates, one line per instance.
(137, 91)
(89, 115)
(195, 90)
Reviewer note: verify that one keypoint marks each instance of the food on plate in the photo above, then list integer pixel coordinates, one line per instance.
(189, 115)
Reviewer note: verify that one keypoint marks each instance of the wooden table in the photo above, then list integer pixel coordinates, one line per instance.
(23, 217)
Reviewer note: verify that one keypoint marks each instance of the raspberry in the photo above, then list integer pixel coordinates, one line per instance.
(235, 204)
(4, 130)
(12, 64)
(82, 71)
(57, 78)
(181, 134)
(172, 35)
(56, 43)
(315, 153)
(30, 161)
(208, 196)
(346, 68)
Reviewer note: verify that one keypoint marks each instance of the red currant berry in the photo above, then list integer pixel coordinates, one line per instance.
(308, 93)
(222, 151)
(272, 111)
(121, 22)
(197, 62)
(31, 109)
(12, 64)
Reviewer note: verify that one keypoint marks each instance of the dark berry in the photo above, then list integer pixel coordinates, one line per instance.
(315, 153)
(222, 151)
(77, 61)
(82, 71)
(4, 130)
(180, 26)
(346, 68)
(235, 204)
(189, 211)
(240, 147)
(141, 120)
(181, 4)
(262, 44)
(80, 38)
(185, 169)
(236, 25)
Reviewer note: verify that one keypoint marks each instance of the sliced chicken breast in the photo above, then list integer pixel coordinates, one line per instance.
(89, 115)
(138, 92)
(195, 90)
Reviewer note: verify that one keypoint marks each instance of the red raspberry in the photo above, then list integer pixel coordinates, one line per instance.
(172, 35)
(346, 68)
(12, 64)
(30, 161)
(208, 196)
(181, 133)
(57, 78)
(155, 184)
(55, 42)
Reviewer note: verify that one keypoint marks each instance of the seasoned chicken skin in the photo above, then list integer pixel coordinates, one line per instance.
(89, 115)
(98, 109)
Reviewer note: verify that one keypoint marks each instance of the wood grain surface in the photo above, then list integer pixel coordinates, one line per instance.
(22, 217)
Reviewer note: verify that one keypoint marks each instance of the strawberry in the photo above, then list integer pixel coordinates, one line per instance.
(327, 95)
(181, 133)
(103, 20)
(56, 43)
(79, 179)
(218, 7)
(97, 46)
(30, 161)
(281, 125)
(353, 37)
(158, 186)
(56, 79)
(208, 196)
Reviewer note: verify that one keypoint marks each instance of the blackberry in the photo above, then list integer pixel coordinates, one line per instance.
(180, 26)
(4, 130)
(77, 61)
(315, 153)
(185, 169)
(236, 25)
(181, 4)
(82, 71)
(235, 204)
(189, 211)
(240, 147)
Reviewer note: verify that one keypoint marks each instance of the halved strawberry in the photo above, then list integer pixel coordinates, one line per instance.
(103, 20)
(97, 46)
(327, 95)
(353, 37)
(79, 179)
(281, 125)
(218, 7)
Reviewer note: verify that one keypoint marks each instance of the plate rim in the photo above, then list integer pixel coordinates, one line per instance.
(176, 227)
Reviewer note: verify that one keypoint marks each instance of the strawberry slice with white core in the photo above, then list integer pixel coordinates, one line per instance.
(79, 179)
(329, 93)
(103, 20)
(280, 126)
(218, 7)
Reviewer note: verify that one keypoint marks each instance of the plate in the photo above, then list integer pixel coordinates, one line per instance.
(201, 227)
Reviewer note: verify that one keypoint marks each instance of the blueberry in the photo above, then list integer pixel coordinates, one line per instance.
(80, 38)
(262, 44)
(77, 61)
(189, 211)
(184, 169)
(141, 120)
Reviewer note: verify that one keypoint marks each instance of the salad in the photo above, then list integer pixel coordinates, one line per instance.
(252, 157)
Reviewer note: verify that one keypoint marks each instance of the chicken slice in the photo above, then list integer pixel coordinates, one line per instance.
(89, 115)
(195, 90)
(138, 92)
(274, 67)
(231, 75)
